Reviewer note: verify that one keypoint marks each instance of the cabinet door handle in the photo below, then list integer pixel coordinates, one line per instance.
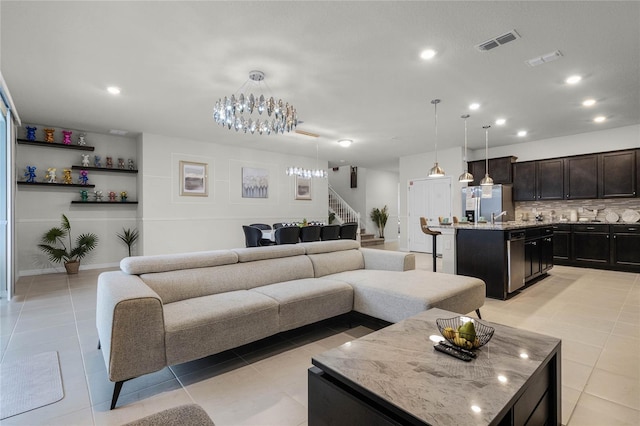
(535, 243)
(633, 229)
(590, 228)
(607, 237)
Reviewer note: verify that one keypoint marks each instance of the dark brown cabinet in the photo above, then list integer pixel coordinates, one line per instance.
(561, 242)
(524, 181)
(538, 252)
(625, 250)
(581, 177)
(591, 243)
(550, 179)
(500, 170)
(618, 173)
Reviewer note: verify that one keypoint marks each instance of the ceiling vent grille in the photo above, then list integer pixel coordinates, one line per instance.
(549, 57)
(498, 41)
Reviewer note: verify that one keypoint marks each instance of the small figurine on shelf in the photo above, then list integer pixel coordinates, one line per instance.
(31, 174)
(123, 196)
(84, 195)
(131, 166)
(48, 135)
(85, 160)
(51, 175)
(109, 162)
(98, 195)
(31, 133)
(84, 177)
(66, 177)
(81, 140)
(121, 163)
(66, 137)
(112, 196)
(97, 161)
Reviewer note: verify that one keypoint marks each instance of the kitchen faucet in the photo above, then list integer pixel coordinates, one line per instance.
(494, 217)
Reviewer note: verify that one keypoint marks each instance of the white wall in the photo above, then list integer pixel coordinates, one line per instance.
(417, 167)
(40, 208)
(375, 189)
(172, 223)
(583, 143)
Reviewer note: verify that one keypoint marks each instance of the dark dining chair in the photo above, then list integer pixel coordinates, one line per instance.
(330, 232)
(348, 231)
(262, 226)
(287, 235)
(277, 225)
(252, 236)
(310, 233)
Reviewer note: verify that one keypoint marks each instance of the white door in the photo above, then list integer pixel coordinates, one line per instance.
(429, 198)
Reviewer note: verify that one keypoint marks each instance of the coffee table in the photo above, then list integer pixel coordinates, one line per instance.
(394, 377)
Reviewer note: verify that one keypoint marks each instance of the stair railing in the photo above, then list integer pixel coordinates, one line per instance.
(343, 211)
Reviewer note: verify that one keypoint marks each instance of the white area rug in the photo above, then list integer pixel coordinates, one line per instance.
(29, 383)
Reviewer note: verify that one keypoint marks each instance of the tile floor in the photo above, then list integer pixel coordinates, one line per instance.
(596, 313)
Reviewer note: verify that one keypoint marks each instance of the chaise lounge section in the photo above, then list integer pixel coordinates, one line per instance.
(165, 310)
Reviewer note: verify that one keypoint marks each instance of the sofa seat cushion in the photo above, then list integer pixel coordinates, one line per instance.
(394, 296)
(308, 300)
(206, 325)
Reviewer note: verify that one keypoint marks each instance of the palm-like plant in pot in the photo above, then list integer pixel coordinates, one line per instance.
(53, 244)
(380, 217)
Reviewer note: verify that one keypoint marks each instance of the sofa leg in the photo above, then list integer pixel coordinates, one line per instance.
(99, 345)
(478, 313)
(116, 393)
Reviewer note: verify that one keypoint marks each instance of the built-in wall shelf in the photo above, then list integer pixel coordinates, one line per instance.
(111, 203)
(56, 184)
(56, 145)
(104, 169)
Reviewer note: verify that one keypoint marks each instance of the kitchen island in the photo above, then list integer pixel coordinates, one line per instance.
(506, 256)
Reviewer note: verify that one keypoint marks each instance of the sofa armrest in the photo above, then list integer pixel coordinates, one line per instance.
(388, 260)
(130, 323)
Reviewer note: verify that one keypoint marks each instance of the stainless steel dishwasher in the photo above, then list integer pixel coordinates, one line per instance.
(515, 260)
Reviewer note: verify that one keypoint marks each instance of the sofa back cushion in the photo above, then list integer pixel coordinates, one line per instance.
(336, 261)
(172, 262)
(173, 286)
(251, 254)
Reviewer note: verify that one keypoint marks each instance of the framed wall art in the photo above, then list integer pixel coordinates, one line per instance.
(255, 183)
(303, 188)
(193, 179)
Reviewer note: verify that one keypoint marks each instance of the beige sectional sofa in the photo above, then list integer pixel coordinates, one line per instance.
(169, 309)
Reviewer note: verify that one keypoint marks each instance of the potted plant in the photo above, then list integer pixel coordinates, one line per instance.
(380, 217)
(53, 244)
(129, 237)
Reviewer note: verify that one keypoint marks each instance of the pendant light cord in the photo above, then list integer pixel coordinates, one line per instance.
(486, 149)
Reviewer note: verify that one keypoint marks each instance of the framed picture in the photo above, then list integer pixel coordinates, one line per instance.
(193, 179)
(303, 188)
(255, 183)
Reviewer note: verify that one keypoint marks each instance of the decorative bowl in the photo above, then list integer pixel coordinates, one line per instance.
(448, 327)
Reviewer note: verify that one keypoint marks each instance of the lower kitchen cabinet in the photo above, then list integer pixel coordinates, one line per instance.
(538, 252)
(615, 247)
(625, 245)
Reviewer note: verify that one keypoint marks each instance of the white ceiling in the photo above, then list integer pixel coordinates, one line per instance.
(352, 69)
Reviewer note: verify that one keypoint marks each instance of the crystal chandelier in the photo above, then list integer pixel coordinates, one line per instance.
(307, 173)
(436, 170)
(236, 113)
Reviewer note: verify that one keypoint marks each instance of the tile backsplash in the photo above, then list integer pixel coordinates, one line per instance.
(554, 210)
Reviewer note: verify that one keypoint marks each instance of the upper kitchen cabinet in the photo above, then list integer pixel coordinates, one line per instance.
(581, 177)
(500, 170)
(550, 179)
(524, 181)
(618, 174)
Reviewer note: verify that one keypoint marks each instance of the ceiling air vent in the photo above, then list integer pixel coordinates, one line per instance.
(549, 57)
(498, 41)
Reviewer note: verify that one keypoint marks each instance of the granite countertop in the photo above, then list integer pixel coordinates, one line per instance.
(399, 365)
(507, 226)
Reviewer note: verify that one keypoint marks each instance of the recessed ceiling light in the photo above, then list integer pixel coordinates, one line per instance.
(573, 79)
(345, 143)
(500, 121)
(474, 106)
(113, 90)
(522, 133)
(589, 102)
(428, 54)
(600, 119)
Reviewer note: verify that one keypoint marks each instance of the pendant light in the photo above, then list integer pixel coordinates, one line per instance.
(486, 180)
(436, 170)
(466, 176)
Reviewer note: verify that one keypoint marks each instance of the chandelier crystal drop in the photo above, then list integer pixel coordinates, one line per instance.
(436, 170)
(238, 112)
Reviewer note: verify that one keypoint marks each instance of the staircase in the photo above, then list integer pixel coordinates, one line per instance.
(344, 213)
